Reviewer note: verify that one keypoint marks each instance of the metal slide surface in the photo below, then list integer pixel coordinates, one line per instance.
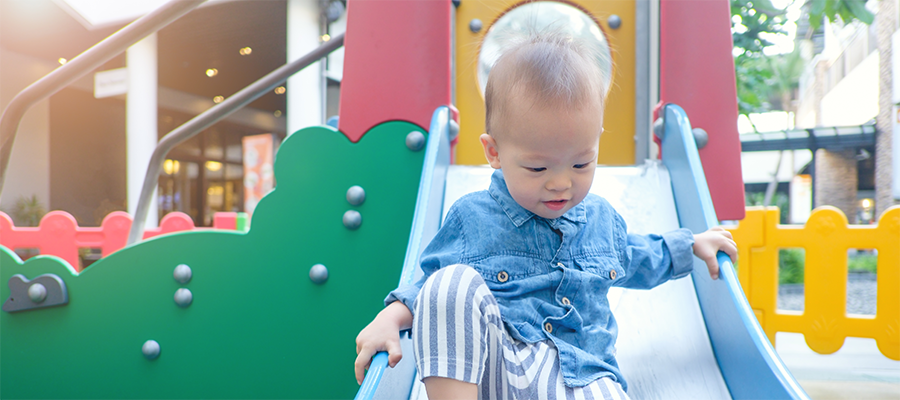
(665, 348)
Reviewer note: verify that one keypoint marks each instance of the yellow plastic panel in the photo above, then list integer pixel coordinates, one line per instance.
(617, 141)
(826, 237)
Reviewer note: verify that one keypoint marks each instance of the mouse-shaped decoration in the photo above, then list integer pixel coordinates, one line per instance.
(44, 291)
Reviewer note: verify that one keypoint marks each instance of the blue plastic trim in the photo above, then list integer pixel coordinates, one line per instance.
(426, 221)
(749, 364)
(430, 199)
(373, 377)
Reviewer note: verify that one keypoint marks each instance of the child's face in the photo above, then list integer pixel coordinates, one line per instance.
(548, 156)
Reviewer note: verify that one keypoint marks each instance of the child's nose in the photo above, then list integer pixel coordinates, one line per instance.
(558, 183)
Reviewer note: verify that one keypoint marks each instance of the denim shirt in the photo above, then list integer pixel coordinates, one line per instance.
(551, 276)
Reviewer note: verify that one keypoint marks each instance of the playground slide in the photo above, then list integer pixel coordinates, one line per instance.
(686, 339)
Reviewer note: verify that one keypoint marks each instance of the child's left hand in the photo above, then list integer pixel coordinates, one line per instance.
(708, 243)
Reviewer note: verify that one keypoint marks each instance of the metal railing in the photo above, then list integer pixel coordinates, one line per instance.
(215, 114)
(116, 44)
(80, 66)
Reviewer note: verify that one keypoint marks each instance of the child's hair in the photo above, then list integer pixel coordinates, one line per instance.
(552, 67)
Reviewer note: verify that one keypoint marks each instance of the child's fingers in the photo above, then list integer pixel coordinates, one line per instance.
(362, 363)
(394, 353)
(713, 266)
(731, 249)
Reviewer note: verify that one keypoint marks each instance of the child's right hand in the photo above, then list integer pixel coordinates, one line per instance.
(382, 334)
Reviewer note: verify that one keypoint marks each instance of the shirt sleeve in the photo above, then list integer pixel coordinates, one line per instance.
(445, 249)
(651, 260)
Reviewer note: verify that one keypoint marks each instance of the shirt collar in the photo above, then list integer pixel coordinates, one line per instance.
(518, 214)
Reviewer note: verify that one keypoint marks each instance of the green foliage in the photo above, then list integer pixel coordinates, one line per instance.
(751, 21)
(863, 263)
(846, 10)
(752, 84)
(791, 265)
(766, 80)
(28, 211)
(779, 200)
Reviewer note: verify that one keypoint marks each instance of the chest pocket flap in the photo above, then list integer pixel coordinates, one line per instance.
(606, 267)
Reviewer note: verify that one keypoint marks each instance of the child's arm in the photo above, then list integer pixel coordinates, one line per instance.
(382, 334)
(708, 243)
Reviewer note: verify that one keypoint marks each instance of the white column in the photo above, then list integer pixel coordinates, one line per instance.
(304, 94)
(141, 133)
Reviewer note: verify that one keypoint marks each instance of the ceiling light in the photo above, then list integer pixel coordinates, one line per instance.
(171, 167)
(213, 166)
(326, 37)
(218, 99)
(280, 90)
(62, 61)
(212, 72)
(245, 51)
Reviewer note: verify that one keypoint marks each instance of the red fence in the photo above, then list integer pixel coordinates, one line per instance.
(59, 234)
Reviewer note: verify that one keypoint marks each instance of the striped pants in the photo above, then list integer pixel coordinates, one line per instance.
(458, 334)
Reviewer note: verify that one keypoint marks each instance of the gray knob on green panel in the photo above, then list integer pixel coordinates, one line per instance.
(318, 274)
(183, 297)
(352, 220)
(150, 349)
(415, 141)
(37, 292)
(182, 273)
(356, 195)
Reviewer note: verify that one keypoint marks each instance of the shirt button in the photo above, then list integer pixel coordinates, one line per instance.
(548, 327)
(612, 274)
(565, 301)
(502, 276)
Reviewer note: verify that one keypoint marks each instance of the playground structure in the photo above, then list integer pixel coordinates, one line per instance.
(263, 320)
(825, 237)
(58, 233)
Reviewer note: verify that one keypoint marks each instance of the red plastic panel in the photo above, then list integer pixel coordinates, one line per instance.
(396, 63)
(58, 233)
(697, 73)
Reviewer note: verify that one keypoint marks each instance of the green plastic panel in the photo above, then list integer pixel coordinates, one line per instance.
(257, 327)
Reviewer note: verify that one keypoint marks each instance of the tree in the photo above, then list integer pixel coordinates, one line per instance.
(751, 21)
(847, 10)
(766, 80)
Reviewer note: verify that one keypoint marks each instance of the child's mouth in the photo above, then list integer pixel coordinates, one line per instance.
(555, 205)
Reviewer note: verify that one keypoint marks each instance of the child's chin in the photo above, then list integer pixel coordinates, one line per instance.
(552, 214)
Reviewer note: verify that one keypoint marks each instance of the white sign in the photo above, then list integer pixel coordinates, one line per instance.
(801, 198)
(895, 65)
(896, 151)
(895, 117)
(110, 83)
(97, 14)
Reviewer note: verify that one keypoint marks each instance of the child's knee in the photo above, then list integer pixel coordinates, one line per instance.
(450, 285)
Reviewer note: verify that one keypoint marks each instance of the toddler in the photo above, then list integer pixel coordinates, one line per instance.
(513, 304)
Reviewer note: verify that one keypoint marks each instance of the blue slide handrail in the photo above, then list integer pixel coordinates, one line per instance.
(426, 221)
(749, 364)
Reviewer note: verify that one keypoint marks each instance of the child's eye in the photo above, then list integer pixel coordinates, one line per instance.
(580, 166)
(537, 169)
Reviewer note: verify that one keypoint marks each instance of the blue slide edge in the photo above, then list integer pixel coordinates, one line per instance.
(426, 221)
(749, 364)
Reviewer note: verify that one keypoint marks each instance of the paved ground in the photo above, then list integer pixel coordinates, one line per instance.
(857, 371)
(861, 294)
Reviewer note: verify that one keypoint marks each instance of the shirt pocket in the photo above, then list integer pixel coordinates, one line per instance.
(607, 268)
(503, 269)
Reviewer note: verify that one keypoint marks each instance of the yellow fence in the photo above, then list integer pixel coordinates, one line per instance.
(826, 238)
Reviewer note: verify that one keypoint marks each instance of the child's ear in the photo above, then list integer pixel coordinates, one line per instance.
(490, 150)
